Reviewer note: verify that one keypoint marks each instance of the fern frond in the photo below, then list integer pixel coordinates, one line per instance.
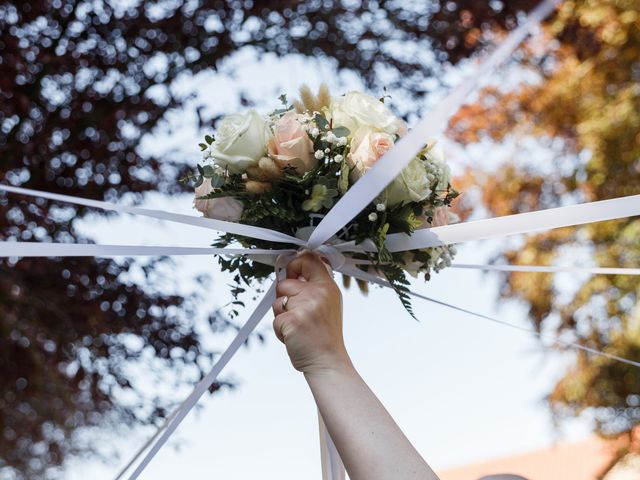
(398, 280)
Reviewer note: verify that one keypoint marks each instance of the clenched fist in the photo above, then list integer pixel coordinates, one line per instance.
(310, 324)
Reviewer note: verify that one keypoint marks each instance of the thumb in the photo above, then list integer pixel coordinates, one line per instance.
(308, 266)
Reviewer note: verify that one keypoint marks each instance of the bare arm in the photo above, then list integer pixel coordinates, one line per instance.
(371, 444)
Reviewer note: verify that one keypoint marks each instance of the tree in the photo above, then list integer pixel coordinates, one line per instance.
(79, 90)
(585, 107)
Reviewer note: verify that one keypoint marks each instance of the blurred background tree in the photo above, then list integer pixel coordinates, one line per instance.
(82, 83)
(582, 105)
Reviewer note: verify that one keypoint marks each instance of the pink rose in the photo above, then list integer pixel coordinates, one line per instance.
(367, 146)
(440, 218)
(223, 208)
(291, 145)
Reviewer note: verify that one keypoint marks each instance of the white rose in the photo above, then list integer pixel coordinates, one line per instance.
(437, 164)
(411, 185)
(355, 110)
(223, 208)
(241, 140)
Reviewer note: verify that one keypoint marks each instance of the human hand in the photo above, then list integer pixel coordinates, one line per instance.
(311, 324)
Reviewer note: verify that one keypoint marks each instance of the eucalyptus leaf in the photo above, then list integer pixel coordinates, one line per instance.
(217, 181)
(341, 131)
(321, 121)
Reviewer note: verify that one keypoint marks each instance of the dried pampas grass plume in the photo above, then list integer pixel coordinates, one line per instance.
(313, 103)
(362, 285)
(257, 187)
(266, 171)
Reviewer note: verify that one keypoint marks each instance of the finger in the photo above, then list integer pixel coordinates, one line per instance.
(277, 328)
(309, 267)
(279, 324)
(277, 306)
(290, 287)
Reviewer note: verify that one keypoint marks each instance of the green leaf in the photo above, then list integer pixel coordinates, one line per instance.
(398, 280)
(343, 182)
(341, 131)
(200, 169)
(209, 139)
(283, 99)
(321, 121)
(202, 146)
(208, 171)
(199, 181)
(217, 181)
(281, 111)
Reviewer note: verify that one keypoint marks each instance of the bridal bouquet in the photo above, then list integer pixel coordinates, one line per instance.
(284, 171)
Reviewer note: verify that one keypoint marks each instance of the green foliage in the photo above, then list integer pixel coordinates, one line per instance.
(322, 195)
(398, 280)
(341, 131)
(321, 122)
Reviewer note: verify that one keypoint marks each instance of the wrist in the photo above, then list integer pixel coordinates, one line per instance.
(336, 363)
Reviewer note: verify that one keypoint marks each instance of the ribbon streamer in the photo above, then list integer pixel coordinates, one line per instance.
(529, 222)
(395, 160)
(204, 384)
(521, 223)
(38, 249)
(357, 273)
(229, 227)
(550, 269)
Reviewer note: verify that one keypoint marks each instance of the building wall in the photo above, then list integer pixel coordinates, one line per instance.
(585, 460)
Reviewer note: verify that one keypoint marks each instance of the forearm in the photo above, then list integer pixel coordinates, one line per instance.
(371, 444)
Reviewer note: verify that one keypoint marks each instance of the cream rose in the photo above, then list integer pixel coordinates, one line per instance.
(240, 141)
(411, 185)
(223, 208)
(437, 165)
(291, 145)
(355, 110)
(401, 127)
(367, 146)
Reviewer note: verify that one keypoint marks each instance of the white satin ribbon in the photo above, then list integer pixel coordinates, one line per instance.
(37, 249)
(393, 162)
(367, 277)
(228, 227)
(261, 309)
(529, 222)
(550, 269)
(521, 223)
(332, 466)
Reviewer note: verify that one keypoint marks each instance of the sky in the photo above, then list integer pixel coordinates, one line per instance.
(461, 388)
